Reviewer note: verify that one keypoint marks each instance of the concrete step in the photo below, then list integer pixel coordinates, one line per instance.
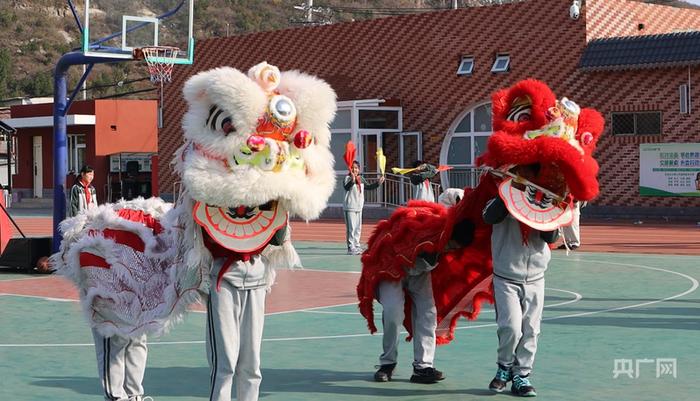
(369, 212)
(33, 203)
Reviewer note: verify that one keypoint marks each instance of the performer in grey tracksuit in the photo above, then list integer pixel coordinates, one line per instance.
(121, 363)
(420, 178)
(235, 319)
(423, 318)
(518, 285)
(355, 186)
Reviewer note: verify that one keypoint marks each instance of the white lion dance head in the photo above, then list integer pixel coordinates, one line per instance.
(257, 149)
(256, 139)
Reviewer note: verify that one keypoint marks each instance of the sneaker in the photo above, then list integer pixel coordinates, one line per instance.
(562, 246)
(351, 251)
(357, 252)
(426, 375)
(384, 373)
(522, 387)
(499, 382)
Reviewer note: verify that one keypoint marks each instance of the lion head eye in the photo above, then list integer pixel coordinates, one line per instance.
(282, 110)
(220, 120)
(521, 110)
(520, 113)
(227, 126)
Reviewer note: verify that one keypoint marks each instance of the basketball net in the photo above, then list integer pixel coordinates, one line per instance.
(160, 60)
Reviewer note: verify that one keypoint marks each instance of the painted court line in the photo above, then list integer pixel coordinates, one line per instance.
(692, 288)
(577, 297)
(39, 297)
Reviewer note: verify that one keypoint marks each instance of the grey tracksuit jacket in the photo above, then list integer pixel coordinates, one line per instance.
(510, 260)
(354, 199)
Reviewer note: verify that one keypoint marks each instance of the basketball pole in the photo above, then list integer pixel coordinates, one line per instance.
(61, 106)
(160, 107)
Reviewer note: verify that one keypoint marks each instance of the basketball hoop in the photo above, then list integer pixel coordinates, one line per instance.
(160, 60)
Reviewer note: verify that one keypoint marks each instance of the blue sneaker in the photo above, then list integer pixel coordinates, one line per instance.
(522, 387)
(499, 382)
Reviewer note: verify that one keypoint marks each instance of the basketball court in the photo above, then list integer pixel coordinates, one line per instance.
(621, 319)
(607, 314)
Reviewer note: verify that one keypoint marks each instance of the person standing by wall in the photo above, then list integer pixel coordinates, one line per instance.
(82, 195)
(355, 186)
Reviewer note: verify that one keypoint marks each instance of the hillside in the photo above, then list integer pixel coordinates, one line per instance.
(35, 33)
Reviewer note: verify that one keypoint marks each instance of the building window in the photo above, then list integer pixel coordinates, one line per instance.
(638, 123)
(76, 153)
(342, 120)
(684, 98)
(464, 145)
(379, 119)
(501, 64)
(466, 66)
(8, 155)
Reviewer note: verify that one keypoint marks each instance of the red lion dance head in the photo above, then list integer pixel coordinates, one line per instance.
(554, 139)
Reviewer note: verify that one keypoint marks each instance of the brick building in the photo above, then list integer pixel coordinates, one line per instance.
(105, 134)
(420, 85)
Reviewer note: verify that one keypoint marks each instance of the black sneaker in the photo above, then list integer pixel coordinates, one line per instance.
(426, 376)
(522, 387)
(384, 373)
(500, 381)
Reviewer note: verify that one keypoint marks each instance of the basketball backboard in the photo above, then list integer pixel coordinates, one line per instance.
(114, 28)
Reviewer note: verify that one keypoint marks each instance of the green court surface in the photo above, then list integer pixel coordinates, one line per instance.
(604, 313)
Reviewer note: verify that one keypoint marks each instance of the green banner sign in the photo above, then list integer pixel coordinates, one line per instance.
(669, 169)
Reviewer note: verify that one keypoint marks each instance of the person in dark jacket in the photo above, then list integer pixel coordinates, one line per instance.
(83, 195)
(420, 178)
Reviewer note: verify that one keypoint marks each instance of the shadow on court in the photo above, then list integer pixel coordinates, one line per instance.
(194, 382)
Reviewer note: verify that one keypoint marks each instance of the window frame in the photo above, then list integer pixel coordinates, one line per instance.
(473, 135)
(73, 147)
(462, 62)
(684, 95)
(635, 115)
(504, 69)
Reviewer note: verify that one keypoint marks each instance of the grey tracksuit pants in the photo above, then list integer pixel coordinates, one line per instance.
(424, 318)
(518, 315)
(121, 363)
(353, 227)
(235, 319)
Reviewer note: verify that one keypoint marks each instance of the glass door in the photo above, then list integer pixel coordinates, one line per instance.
(371, 141)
